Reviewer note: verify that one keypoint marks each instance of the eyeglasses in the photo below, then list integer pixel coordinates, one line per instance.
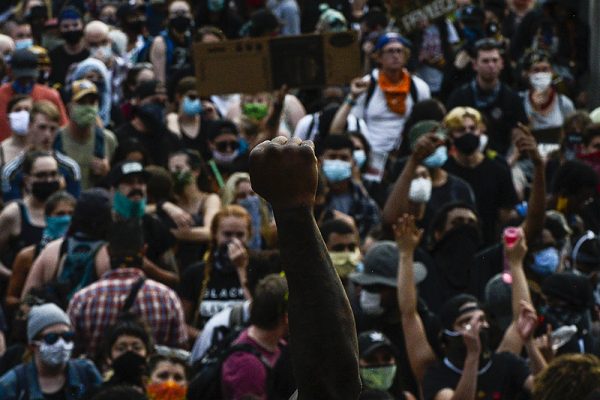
(51, 338)
(395, 50)
(45, 175)
(223, 146)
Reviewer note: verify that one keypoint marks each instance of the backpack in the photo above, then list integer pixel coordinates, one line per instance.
(206, 385)
(76, 269)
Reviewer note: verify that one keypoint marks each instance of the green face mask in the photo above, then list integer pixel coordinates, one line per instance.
(255, 111)
(84, 115)
(345, 262)
(379, 378)
(127, 208)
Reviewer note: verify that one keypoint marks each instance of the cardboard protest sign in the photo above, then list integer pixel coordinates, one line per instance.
(265, 64)
(409, 14)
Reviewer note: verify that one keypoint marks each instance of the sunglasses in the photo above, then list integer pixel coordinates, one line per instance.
(51, 338)
(223, 146)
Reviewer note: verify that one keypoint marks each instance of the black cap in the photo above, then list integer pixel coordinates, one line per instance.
(220, 127)
(454, 308)
(149, 88)
(381, 266)
(575, 290)
(370, 341)
(24, 63)
(126, 168)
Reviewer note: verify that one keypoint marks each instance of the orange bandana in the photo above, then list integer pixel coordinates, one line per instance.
(395, 93)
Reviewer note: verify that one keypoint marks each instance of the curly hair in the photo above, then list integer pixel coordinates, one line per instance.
(571, 376)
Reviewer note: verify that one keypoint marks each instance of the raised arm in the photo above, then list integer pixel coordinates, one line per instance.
(357, 87)
(420, 354)
(322, 330)
(397, 202)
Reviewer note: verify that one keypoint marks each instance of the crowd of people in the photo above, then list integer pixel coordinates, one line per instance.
(429, 231)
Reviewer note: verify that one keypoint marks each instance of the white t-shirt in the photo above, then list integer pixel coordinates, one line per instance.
(385, 126)
(562, 108)
(304, 125)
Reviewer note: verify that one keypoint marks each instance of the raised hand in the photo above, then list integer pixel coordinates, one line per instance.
(407, 234)
(470, 334)
(426, 145)
(516, 252)
(527, 321)
(284, 172)
(358, 86)
(526, 143)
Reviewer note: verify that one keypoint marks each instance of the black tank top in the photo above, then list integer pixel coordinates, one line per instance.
(30, 234)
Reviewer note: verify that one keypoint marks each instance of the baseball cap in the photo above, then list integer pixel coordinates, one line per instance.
(126, 168)
(24, 63)
(82, 88)
(370, 341)
(149, 88)
(421, 128)
(455, 307)
(381, 266)
(498, 301)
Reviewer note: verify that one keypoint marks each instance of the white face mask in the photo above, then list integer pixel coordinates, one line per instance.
(370, 303)
(56, 354)
(420, 190)
(102, 53)
(19, 122)
(224, 158)
(540, 81)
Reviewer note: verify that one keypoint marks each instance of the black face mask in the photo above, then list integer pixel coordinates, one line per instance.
(72, 37)
(135, 26)
(467, 143)
(129, 368)
(152, 115)
(44, 189)
(453, 254)
(180, 23)
(456, 350)
(222, 262)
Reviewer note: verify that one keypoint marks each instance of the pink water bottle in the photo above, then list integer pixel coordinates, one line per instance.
(511, 235)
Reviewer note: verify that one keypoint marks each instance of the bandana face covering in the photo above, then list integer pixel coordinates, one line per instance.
(169, 390)
(395, 93)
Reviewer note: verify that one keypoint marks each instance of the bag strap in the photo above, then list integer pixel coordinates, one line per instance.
(99, 149)
(236, 317)
(133, 294)
(64, 246)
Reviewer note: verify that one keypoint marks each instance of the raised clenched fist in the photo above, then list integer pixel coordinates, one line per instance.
(284, 172)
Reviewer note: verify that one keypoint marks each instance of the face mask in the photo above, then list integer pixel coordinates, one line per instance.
(370, 303)
(558, 316)
(420, 190)
(337, 170)
(255, 111)
(180, 23)
(56, 227)
(84, 115)
(540, 81)
(57, 354)
(378, 378)
(224, 158)
(222, 262)
(360, 157)
(128, 208)
(72, 37)
(191, 107)
(22, 88)
(545, 262)
(453, 253)
(22, 44)
(135, 26)
(216, 5)
(170, 390)
(456, 351)
(19, 122)
(345, 262)
(42, 190)
(102, 53)
(181, 180)
(467, 143)
(437, 159)
(129, 368)
(152, 115)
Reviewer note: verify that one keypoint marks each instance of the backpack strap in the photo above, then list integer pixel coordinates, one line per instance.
(370, 91)
(64, 247)
(133, 292)
(414, 94)
(22, 384)
(99, 149)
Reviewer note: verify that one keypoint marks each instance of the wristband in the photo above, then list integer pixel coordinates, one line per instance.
(350, 101)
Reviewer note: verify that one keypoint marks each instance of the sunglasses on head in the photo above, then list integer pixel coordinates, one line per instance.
(223, 146)
(51, 338)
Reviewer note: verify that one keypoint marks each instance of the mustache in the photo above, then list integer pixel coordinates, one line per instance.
(136, 192)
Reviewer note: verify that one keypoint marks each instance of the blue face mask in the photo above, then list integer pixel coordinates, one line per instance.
(360, 157)
(337, 170)
(437, 159)
(23, 44)
(20, 88)
(191, 107)
(56, 227)
(545, 262)
(128, 208)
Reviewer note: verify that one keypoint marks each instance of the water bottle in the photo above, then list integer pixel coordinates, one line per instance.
(562, 335)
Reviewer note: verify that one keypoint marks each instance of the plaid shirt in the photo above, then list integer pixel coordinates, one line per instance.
(364, 210)
(96, 307)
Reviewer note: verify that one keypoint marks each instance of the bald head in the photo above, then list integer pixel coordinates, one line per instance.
(179, 7)
(96, 35)
(7, 45)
